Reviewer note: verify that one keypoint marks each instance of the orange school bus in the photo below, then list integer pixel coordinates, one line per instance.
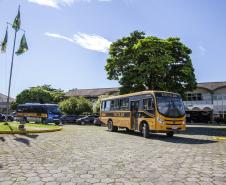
(146, 111)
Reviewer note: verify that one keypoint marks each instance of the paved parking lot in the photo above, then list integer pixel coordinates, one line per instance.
(91, 155)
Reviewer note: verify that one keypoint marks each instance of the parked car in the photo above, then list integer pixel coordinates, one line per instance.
(97, 121)
(69, 118)
(10, 117)
(86, 120)
(2, 117)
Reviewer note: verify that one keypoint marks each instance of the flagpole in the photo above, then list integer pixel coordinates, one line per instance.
(10, 77)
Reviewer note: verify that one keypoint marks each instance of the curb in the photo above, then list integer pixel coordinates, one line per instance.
(219, 138)
(31, 131)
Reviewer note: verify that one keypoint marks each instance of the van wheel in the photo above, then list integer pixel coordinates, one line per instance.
(145, 130)
(170, 134)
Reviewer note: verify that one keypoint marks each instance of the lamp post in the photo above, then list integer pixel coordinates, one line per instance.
(23, 47)
(222, 100)
(10, 76)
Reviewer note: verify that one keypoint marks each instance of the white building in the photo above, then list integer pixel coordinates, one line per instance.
(207, 102)
(3, 103)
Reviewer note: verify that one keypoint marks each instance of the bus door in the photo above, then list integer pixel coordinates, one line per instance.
(134, 107)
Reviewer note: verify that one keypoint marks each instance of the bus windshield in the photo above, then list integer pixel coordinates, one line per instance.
(53, 109)
(170, 105)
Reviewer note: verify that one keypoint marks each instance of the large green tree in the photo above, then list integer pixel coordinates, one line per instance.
(75, 105)
(140, 63)
(40, 94)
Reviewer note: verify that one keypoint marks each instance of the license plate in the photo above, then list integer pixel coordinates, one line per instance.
(174, 127)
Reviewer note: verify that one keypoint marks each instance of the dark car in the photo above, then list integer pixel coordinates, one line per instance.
(10, 117)
(68, 119)
(97, 121)
(2, 117)
(86, 120)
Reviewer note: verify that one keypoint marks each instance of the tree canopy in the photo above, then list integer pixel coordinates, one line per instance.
(97, 103)
(75, 105)
(140, 63)
(40, 94)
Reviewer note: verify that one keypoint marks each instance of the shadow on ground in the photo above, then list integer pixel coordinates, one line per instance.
(2, 139)
(22, 140)
(32, 136)
(208, 131)
(175, 139)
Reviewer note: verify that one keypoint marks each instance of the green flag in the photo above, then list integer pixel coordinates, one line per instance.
(16, 23)
(23, 46)
(4, 43)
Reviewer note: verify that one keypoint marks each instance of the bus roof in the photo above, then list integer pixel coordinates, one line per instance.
(135, 94)
(37, 104)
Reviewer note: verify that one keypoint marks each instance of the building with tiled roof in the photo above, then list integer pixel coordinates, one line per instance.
(207, 101)
(92, 93)
(212, 86)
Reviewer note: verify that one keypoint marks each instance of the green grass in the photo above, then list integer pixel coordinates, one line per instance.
(13, 126)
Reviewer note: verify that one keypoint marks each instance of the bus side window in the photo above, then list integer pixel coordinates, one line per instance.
(124, 104)
(107, 106)
(148, 105)
(103, 105)
(115, 105)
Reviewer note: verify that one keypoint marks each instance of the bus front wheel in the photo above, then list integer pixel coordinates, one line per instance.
(145, 130)
(170, 134)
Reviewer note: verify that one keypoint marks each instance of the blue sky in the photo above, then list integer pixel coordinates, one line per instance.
(68, 39)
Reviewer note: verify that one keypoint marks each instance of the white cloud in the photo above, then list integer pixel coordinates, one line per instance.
(58, 36)
(91, 42)
(59, 3)
(53, 3)
(202, 50)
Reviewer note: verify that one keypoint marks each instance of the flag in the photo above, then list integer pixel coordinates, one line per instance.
(23, 46)
(16, 23)
(4, 43)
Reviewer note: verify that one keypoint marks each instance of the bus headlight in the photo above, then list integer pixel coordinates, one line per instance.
(184, 122)
(160, 120)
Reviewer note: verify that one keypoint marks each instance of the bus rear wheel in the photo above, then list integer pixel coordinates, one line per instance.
(170, 134)
(145, 130)
(43, 121)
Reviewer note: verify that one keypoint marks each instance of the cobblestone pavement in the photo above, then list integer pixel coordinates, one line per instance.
(82, 155)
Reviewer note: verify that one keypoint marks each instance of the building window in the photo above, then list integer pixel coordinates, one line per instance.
(219, 97)
(194, 96)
